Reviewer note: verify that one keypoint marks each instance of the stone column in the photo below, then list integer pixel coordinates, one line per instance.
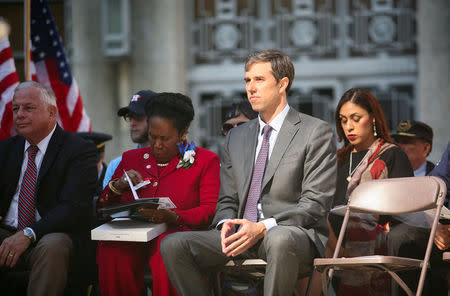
(158, 45)
(433, 20)
(156, 61)
(96, 75)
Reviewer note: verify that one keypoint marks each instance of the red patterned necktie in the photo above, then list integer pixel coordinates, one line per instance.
(26, 207)
(251, 211)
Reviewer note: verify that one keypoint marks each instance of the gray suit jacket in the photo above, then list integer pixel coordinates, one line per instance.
(300, 178)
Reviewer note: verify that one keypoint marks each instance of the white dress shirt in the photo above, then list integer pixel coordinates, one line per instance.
(422, 170)
(276, 124)
(11, 216)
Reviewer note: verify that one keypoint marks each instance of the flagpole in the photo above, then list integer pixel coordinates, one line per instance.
(27, 41)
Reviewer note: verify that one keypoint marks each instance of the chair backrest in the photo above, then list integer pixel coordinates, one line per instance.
(395, 196)
(398, 195)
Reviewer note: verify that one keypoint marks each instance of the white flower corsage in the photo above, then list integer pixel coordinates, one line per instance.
(187, 155)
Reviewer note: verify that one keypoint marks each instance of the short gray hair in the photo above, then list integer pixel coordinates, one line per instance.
(46, 94)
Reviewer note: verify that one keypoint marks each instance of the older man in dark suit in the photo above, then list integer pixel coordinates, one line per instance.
(277, 184)
(47, 181)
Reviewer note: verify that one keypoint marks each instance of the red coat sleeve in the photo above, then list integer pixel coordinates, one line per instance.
(108, 197)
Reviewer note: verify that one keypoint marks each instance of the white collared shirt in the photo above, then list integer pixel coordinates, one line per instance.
(422, 170)
(276, 124)
(11, 216)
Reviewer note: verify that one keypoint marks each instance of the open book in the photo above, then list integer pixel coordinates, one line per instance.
(128, 208)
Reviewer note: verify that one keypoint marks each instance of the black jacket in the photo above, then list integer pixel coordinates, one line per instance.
(65, 186)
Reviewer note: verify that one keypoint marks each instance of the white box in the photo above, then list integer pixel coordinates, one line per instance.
(124, 229)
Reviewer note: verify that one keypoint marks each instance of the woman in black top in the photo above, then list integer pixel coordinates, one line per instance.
(367, 154)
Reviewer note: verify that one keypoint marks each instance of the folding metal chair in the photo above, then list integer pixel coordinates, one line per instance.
(446, 256)
(249, 268)
(252, 269)
(388, 197)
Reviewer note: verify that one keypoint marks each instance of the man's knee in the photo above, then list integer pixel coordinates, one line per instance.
(172, 244)
(53, 245)
(289, 248)
(289, 243)
(282, 239)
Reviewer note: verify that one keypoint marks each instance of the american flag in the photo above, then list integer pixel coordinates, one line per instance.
(8, 82)
(53, 70)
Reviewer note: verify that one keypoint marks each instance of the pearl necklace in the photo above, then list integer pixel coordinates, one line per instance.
(350, 172)
(162, 164)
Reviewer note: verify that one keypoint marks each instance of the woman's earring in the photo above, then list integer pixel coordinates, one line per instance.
(374, 130)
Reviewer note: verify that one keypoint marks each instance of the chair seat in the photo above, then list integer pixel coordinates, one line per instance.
(368, 263)
(253, 267)
(246, 263)
(446, 256)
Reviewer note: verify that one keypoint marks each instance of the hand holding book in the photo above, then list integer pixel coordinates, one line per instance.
(131, 209)
(158, 216)
(130, 179)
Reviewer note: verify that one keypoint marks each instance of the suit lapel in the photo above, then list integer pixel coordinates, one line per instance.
(249, 156)
(17, 160)
(18, 156)
(51, 153)
(287, 132)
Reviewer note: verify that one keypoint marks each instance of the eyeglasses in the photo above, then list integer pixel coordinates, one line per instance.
(134, 116)
(226, 127)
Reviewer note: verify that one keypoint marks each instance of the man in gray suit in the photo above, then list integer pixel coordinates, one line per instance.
(278, 180)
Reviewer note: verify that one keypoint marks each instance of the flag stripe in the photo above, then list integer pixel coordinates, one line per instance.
(5, 55)
(8, 82)
(53, 70)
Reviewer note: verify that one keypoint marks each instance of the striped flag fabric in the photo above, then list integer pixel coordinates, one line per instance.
(52, 68)
(8, 82)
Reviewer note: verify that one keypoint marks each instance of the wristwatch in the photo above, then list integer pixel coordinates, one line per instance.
(28, 232)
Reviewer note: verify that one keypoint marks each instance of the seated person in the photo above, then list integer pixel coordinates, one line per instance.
(278, 178)
(416, 139)
(440, 270)
(136, 119)
(238, 114)
(47, 182)
(415, 247)
(192, 183)
(99, 139)
(367, 154)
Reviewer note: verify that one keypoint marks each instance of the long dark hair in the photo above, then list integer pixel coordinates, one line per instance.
(366, 100)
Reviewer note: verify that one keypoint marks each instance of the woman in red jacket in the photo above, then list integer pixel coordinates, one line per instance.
(189, 176)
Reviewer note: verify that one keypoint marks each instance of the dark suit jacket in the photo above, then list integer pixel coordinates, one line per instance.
(65, 186)
(430, 167)
(442, 170)
(300, 178)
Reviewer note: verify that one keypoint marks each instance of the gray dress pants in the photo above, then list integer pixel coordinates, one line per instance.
(288, 251)
(47, 261)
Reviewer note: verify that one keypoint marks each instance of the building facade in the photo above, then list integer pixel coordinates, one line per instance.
(399, 49)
